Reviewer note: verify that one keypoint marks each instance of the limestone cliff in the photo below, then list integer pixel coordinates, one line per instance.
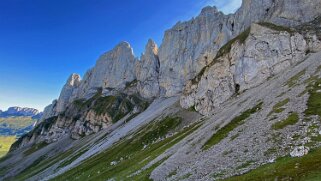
(245, 62)
(147, 71)
(191, 45)
(68, 92)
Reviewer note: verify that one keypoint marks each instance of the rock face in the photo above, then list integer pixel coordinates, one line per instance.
(19, 111)
(68, 91)
(191, 45)
(147, 71)
(50, 110)
(250, 59)
(112, 71)
(83, 117)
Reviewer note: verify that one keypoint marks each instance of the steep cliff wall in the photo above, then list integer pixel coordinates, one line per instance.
(191, 45)
(245, 62)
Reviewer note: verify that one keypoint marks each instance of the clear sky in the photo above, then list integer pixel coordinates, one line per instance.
(43, 41)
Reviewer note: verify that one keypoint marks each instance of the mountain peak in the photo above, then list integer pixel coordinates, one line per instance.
(209, 10)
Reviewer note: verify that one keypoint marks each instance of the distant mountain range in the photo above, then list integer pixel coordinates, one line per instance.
(17, 121)
(19, 111)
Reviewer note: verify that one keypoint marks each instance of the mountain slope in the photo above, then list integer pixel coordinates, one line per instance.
(257, 85)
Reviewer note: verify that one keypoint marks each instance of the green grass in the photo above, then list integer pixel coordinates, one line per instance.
(237, 121)
(132, 83)
(245, 165)
(17, 122)
(130, 154)
(35, 148)
(278, 108)
(294, 80)
(314, 101)
(228, 46)
(276, 27)
(305, 168)
(116, 106)
(5, 144)
(291, 120)
(40, 165)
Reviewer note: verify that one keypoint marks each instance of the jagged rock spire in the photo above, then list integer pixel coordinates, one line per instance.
(68, 91)
(147, 71)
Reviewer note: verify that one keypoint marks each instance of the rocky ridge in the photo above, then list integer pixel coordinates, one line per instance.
(186, 49)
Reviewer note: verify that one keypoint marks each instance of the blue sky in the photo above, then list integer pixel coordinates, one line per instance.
(43, 41)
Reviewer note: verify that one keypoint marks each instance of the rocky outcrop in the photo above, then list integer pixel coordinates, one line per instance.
(112, 71)
(50, 111)
(68, 92)
(84, 117)
(250, 59)
(299, 151)
(147, 71)
(191, 45)
(19, 111)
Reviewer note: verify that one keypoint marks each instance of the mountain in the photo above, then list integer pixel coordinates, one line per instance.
(231, 97)
(18, 111)
(17, 121)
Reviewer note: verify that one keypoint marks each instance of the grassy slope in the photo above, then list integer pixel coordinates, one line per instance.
(5, 143)
(223, 132)
(130, 155)
(305, 168)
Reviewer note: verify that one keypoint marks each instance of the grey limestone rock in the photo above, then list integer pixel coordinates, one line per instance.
(67, 92)
(147, 71)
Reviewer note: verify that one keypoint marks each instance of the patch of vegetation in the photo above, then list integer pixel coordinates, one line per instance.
(42, 165)
(245, 165)
(294, 80)
(117, 106)
(228, 46)
(304, 168)
(33, 165)
(130, 155)
(281, 95)
(314, 101)
(132, 83)
(278, 108)
(237, 121)
(235, 136)
(5, 143)
(35, 148)
(223, 51)
(72, 158)
(172, 173)
(291, 120)
(276, 27)
(185, 176)
(270, 151)
(192, 109)
(227, 152)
